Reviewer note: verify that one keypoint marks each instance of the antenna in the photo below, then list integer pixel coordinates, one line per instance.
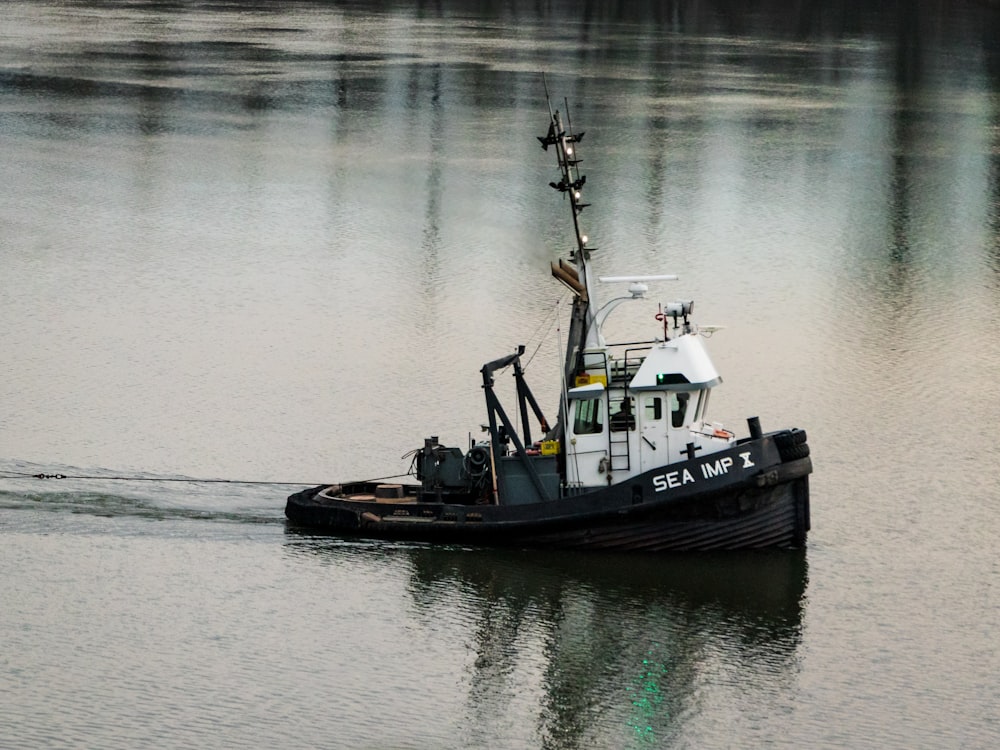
(548, 101)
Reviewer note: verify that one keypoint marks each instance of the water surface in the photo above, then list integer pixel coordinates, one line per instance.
(276, 242)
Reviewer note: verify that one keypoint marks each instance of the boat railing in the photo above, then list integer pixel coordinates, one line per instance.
(622, 371)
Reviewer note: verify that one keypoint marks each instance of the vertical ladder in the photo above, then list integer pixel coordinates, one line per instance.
(618, 450)
(619, 441)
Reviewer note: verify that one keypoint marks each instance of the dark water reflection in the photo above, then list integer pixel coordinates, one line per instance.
(622, 645)
(625, 640)
(265, 55)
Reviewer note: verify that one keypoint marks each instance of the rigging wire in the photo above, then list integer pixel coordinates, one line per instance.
(547, 322)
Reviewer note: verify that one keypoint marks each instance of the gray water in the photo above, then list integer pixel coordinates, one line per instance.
(275, 242)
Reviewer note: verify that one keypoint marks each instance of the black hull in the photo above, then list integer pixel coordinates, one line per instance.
(767, 510)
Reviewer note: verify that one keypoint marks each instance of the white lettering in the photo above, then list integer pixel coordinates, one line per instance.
(747, 463)
(672, 480)
(709, 470)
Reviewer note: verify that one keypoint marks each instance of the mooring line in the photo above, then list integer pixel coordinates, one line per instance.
(6, 474)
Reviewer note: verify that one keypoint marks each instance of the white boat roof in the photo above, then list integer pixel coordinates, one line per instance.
(681, 364)
(591, 390)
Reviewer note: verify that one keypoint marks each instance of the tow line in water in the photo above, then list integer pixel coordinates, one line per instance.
(26, 475)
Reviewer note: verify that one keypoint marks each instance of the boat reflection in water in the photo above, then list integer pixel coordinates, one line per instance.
(606, 648)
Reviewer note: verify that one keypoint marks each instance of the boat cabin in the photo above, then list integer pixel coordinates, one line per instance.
(640, 410)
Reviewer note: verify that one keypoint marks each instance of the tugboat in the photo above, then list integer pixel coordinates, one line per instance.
(631, 464)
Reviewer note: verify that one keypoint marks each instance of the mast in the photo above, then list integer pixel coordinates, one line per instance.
(584, 331)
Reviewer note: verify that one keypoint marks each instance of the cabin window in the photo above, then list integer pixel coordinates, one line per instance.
(623, 415)
(678, 408)
(588, 417)
(654, 409)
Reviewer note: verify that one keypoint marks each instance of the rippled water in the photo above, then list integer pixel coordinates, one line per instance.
(276, 241)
